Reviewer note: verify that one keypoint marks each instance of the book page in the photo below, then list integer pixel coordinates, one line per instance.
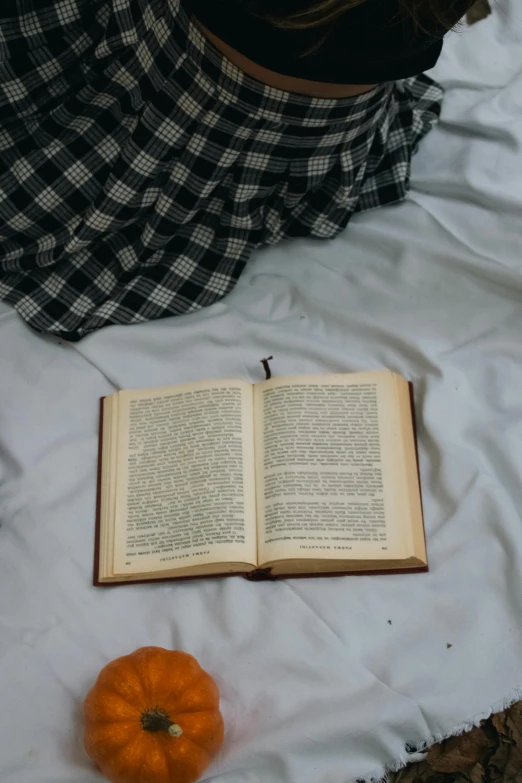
(329, 476)
(185, 480)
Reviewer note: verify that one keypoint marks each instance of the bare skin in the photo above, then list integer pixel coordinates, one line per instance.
(287, 83)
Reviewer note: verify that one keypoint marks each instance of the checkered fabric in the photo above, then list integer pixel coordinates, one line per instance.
(139, 168)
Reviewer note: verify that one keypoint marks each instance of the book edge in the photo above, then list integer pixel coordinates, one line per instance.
(164, 579)
(262, 575)
(411, 389)
(97, 525)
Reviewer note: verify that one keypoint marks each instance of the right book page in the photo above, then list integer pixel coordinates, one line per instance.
(336, 470)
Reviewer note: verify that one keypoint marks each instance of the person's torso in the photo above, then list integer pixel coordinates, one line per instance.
(371, 43)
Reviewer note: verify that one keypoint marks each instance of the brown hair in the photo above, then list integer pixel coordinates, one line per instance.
(434, 17)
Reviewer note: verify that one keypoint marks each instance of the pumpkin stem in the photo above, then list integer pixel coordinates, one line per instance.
(157, 720)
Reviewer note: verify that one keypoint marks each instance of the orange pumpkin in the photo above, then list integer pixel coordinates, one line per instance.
(153, 717)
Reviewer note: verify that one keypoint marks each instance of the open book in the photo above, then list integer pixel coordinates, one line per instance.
(294, 476)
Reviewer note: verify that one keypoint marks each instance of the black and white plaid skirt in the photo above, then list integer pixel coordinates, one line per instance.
(139, 168)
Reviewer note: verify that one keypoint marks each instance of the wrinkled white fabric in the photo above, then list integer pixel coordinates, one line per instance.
(317, 685)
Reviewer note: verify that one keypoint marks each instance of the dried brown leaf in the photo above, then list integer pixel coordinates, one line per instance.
(505, 765)
(514, 723)
(418, 773)
(478, 774)
(459, 754)
(499, 722)
(495, 758)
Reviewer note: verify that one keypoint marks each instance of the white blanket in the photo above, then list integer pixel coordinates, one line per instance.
(322, 681)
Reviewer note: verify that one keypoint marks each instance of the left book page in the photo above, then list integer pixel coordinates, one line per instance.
(182, 483)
